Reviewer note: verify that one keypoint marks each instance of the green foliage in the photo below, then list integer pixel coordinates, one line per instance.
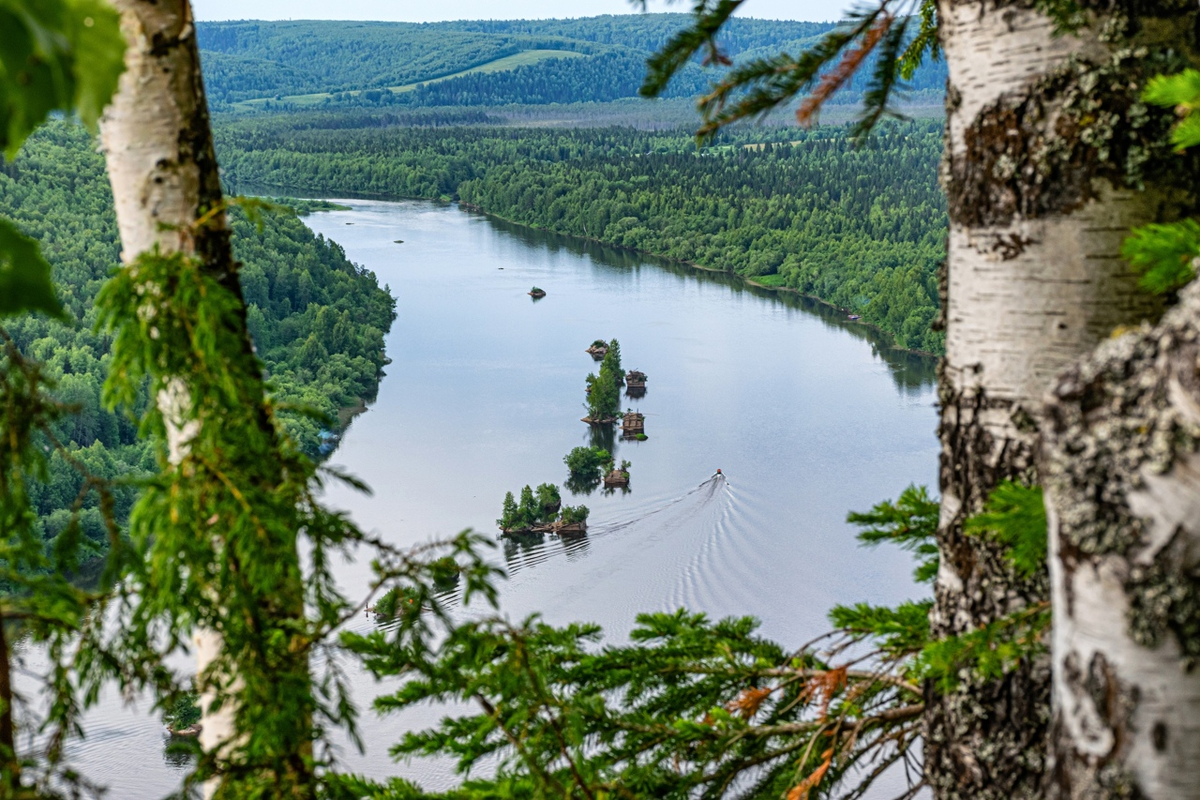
(604, 390)
(25, 283)
(902, 630)
(822, 69)
(183, 712)
(1181, 92)
(1015, 516)
(573, 514)
(55, 55)
(548, 498)
(584, 465)
(265, 66)
(909, 522)
(298, 285)
(1167, 254)
(860, 228)
(986, 652)
(536, 508)
(305, 206)
(406, 601)
(688, 708)
(217, 532)
(509, 518)
(65, 619)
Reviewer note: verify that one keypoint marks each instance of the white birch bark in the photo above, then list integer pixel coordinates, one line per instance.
(1123, 475)
(158, 148)
(1033, 283)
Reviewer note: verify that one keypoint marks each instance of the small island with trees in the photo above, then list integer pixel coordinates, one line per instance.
(541, 511)
(603, 395)
(598, 349)
(536, 293)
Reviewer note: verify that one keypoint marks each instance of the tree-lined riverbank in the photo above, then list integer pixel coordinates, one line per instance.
(859, 228)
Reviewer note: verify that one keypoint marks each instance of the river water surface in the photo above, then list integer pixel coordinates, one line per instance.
(808, 415)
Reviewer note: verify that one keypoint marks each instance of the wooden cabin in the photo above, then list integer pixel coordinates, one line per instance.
(616, 478)
(633, 425)
(635, 381)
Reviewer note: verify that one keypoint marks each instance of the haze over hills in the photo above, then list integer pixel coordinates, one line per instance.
(252, 65)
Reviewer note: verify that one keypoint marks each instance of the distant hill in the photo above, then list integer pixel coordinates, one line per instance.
(271, 65)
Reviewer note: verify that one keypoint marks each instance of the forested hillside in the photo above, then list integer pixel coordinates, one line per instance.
(318, 320)
(861, 228)
(295, 64)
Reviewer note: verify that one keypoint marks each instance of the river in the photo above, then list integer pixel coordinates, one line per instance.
(807, 414)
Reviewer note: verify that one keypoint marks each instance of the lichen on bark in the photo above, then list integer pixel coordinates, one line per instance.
(1042, 152)
(1121, 462)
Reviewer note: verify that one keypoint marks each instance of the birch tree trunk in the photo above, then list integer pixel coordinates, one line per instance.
(158, 144)
(1122, 469)
(1040, 169)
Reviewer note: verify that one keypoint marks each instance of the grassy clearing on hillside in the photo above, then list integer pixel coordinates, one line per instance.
(521, 59)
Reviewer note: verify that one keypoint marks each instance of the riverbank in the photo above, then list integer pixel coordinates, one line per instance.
(859, 228)
(693, 265)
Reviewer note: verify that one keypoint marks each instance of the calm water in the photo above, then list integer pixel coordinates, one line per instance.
(806, 414)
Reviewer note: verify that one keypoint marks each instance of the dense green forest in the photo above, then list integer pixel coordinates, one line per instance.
(318, 320)
(860, 227)
(293, 64)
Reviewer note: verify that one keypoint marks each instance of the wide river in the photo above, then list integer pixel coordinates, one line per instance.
(807, 414)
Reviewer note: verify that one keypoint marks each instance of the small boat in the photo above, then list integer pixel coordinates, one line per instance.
(854, 316)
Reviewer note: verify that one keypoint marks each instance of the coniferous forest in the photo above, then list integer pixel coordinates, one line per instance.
(190, 369)
(860, 227)
(318, 321)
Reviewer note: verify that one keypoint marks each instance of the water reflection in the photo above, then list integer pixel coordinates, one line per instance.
(179, 754)
(809, 414)
(910, 371)
(575, 545)
(603, 437)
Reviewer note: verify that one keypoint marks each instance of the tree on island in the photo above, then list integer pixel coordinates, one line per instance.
(604, 397)
(585, 468)
(574, 514)
(1059, 141)
(542, 507)
(1060, 132)
(509, 515)
(549, 501)
(613, 359)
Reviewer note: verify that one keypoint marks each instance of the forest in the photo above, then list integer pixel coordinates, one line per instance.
(1054, 653)
(381, 63)
(861, 228)
(318, 320)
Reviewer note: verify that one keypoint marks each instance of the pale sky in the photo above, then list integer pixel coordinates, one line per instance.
(435, 10)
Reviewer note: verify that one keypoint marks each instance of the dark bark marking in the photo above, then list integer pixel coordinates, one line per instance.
(986, 739)
(1040, 153)
(1158, 735)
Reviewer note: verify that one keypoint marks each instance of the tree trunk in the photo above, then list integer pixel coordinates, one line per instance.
(166, 187)
(1040, 174)
(1122, 468)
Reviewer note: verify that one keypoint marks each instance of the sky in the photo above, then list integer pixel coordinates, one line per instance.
(435, 10)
